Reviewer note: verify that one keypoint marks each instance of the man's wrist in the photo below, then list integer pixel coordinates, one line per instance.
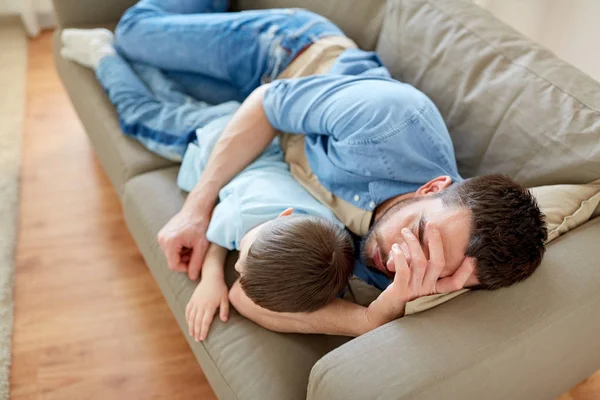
(202, 198)
(379, 313)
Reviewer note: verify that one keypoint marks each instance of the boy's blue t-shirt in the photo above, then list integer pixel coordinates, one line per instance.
(258, 194)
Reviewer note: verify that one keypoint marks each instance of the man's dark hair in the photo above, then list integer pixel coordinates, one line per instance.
(298, 264)
(508, 231)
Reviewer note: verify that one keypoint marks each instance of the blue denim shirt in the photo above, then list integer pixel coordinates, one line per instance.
(368, 137)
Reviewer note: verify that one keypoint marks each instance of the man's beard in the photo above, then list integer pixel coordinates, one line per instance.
(374, 235)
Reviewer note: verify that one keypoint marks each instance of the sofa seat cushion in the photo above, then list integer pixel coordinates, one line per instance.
(122, 157)
(240, 359)
(511, 105)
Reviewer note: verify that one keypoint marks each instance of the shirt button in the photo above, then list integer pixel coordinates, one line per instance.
(356, 197)
(372, 204)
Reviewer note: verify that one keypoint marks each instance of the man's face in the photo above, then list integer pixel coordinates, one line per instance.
(454, 226)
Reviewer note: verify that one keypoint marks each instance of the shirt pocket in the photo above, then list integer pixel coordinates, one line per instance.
(387, 155)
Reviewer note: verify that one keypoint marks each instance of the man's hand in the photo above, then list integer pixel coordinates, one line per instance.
(183, 239)
(248, 134)
(420, 278)
(211, 293)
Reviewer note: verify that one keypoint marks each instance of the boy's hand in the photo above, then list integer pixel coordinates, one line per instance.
(208, 296)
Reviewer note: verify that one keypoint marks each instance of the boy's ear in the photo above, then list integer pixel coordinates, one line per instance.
(287, 212)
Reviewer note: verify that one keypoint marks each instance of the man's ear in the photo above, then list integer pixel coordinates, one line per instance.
(287, 212)
(435, 185)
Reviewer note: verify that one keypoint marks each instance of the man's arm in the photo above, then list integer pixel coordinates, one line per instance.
(246, 136)
(340, 317)
(421, 278)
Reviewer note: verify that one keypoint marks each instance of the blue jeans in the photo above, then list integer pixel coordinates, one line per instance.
(208, 49)
(153, 108)
(184, 60)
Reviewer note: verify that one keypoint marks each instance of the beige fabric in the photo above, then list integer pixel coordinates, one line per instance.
(567, 206)
(364, 294)
(71, 13)
(510, 105)
(318, 59)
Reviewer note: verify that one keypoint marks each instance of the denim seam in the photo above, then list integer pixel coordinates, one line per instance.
(409, 121)
(436, 145)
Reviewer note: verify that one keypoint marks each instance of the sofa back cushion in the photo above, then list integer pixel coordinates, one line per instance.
(77, 12)
(511, 106)
(359, 19)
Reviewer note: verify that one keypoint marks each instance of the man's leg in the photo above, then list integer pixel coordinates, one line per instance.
(158, 115)
(243, 49)
(152, 108)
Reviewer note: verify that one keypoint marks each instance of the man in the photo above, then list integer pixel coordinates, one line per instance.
(374, 150)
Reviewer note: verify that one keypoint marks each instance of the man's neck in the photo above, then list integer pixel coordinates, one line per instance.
(389, 203)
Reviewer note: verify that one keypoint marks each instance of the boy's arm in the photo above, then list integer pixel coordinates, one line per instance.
(210, 294)
(213, 267)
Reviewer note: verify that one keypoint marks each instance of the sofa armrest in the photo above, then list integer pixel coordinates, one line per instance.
(81, 12)
(531, 341)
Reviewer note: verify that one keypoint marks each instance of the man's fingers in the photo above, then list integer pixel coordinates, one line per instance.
(458, 280)
(224, 309)
(198, 253)
(171, 250)
(206, 321)
(418, 262)
(402, 275)
(437, 261)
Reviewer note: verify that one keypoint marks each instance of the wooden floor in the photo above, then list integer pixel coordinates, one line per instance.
(90, 322)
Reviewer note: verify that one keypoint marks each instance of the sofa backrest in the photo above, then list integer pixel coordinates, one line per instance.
(359, 19)
(76, 12)
(511, 106)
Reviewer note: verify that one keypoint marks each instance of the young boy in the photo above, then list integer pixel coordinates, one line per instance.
(287, 263)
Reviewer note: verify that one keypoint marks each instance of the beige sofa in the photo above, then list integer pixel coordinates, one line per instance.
(511, 107)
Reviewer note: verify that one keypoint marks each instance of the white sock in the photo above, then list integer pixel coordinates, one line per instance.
(87, 46)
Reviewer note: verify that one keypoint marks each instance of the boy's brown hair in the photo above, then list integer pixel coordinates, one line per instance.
(298, 264)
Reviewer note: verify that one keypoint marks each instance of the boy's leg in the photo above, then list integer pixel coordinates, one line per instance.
(243, 49)
(159, 116)
(152, 108)
(204, 88)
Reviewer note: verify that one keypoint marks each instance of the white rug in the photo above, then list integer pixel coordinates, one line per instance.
(13, 65)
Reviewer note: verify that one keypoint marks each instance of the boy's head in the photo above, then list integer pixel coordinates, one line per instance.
(295, 263)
